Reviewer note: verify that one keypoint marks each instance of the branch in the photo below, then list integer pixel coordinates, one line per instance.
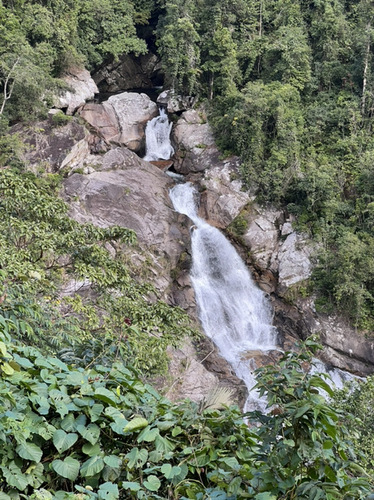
(9, 90)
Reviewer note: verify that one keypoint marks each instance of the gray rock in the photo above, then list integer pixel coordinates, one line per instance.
(222, 199)
(122, 118)
(195, 144)
(175, 103)
(293, 260)
(82, 86)
(188, 377)
(262, 235)
(129, 192)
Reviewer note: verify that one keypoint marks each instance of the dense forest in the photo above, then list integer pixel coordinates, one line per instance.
(289, 88)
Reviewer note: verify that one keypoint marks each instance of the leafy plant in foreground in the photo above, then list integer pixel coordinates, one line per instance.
(100, 433)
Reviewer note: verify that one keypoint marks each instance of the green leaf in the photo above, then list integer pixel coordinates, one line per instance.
(63, 441)
(137, 458)
(91, 433)
(130, 485)
(301, 411)
(92, 466)
(107, 396)
(91, 449)
(169, 472)
(68, 468)
(113, 461)
(327, 445)
(148, 435)
(136, 424)
(29, 451)
(152, 483)
(265, 496)
(14, 476)
(108, 491)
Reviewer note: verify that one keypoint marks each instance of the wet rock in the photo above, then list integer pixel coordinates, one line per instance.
(83, 88)
(262, 235)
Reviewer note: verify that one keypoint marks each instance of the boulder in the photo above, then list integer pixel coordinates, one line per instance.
(82, 87)
(50, 145)
(175, 103)
(188, 376)
(122, 118)
(222, 198)
(293, 260)
(194, 143)
(262, 235)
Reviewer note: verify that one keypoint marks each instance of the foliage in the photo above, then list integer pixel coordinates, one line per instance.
(101, 433)
(355, 403)
(42, 250)
(307, 452)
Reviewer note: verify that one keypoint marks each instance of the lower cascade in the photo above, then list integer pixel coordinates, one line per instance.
(157, 138)
(233, 311)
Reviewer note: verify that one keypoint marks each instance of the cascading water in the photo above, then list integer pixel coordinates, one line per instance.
(157, 138)
(233, 311)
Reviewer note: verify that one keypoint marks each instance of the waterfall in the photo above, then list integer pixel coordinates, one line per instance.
(157, 138)
(233, 311)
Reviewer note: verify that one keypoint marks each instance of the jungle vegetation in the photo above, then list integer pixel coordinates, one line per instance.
(289, 88)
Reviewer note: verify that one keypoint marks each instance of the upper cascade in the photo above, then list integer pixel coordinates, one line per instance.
(157, 138)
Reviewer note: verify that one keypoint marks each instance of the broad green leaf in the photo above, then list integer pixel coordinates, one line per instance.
(152, 483)
(14, 476)
(148, 435)
(231, 462)
(137, 458)
(96, 411)
(92, 466)
(170, 471)
(7, 369)
(108, 491)
(68, 468)
(163, 444)
(265, 496)
(130, 485)
(91, 449)
(113, 461)
(63, 441)
(135, 424)
(107, 396)
(301, 411)
(29, 451)
(327, 445)
(91, 433)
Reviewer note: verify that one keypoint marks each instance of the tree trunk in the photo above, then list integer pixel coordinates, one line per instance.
(366, 70)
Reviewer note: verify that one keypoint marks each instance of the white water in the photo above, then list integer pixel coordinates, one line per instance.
(157, 138)
(233, 310)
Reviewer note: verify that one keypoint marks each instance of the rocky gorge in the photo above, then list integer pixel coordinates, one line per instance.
(106, 182)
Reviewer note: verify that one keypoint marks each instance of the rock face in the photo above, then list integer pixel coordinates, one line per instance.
(175, 103)
(122, 118)
(195, 146)
(130, 72)
(129, 192)
(49, 145)
(83, 89)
